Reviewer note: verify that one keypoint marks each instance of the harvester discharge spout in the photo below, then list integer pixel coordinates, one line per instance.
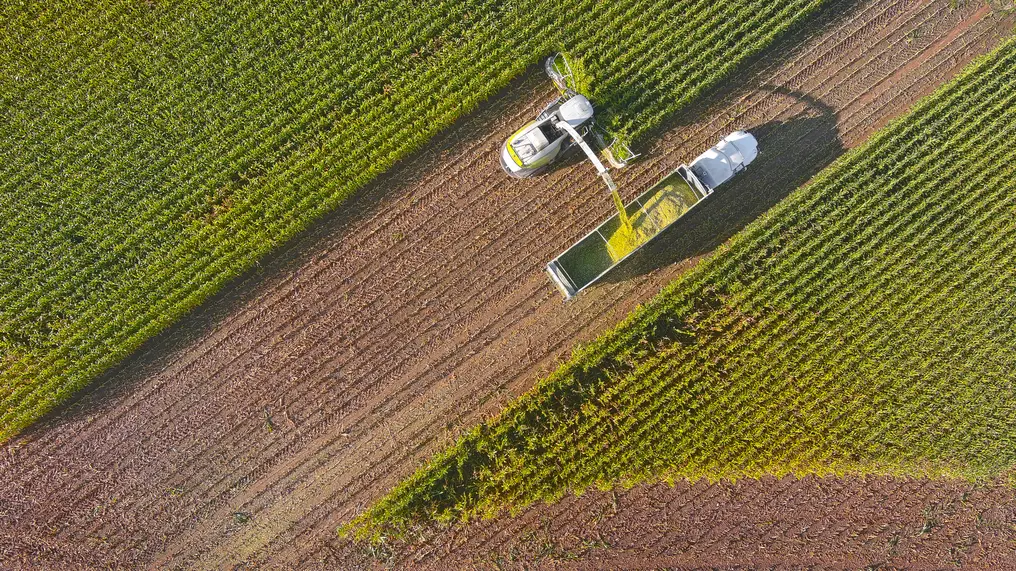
(600, 169)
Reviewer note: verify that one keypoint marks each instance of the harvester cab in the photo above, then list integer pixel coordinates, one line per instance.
(566, 123)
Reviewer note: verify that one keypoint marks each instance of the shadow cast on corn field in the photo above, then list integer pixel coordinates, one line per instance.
(790, 153)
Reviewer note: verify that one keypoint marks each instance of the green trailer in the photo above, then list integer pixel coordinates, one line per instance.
(600, 251)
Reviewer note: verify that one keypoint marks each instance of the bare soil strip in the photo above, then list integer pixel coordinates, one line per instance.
(255, 427)
(811, 522)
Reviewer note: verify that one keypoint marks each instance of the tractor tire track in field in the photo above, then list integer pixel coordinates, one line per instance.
(255, 427)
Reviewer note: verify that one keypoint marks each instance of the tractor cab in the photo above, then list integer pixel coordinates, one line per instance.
(725, 159)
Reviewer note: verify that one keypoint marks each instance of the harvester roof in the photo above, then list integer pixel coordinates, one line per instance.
(528, 143)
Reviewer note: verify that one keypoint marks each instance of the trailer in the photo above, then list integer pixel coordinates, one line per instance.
(652, 212)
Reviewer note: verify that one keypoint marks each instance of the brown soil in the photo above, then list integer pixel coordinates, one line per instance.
(808, 523)
(248, 432)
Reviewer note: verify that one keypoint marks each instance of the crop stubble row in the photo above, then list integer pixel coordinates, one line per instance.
(882, 522)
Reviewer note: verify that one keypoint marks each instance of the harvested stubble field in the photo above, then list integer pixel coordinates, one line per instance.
(863, 326)
(808, 523)
(251, 430)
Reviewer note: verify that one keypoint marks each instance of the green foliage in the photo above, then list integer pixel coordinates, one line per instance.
(865, 325)
(152, 151)
(583, 81)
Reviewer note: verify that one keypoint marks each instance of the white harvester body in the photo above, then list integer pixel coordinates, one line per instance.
(576, 111)
(531, 149)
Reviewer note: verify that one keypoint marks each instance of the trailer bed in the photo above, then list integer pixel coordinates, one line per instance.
(605, 247)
